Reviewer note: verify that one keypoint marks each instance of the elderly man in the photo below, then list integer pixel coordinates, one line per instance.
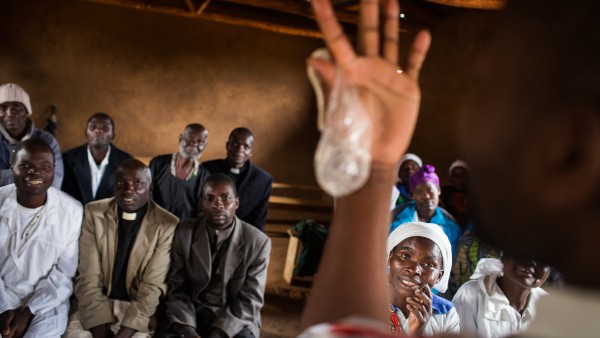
(39, 233)
(90, 168)
(124, 259)
(252, 183)
(219, 269)
(15, 126)
(177, 178)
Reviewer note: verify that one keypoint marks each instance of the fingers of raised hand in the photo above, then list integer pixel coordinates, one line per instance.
(368, 36)
(417, 54)
(334, 36)
(390, 31)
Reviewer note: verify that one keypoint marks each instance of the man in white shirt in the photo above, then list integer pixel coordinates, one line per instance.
(39, 233)
(90, 168)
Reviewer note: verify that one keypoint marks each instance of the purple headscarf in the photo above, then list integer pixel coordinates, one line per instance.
(425, 174)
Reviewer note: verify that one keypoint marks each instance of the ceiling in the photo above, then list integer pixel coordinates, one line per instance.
(295, 17)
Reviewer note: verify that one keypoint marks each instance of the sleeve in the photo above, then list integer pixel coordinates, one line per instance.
(466, 309)
(69, 184)
(452, 322)
(59, 169)
(94, 308)
(57, 287)
(245, 308)
(259, 214)
(179, 306)
(153, 284)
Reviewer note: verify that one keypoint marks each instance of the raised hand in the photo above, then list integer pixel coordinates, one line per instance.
(391, 97)
(420, 310)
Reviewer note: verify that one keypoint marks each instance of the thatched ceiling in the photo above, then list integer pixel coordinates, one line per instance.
(295, 16)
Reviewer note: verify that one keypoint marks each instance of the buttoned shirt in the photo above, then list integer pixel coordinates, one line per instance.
(97, 170)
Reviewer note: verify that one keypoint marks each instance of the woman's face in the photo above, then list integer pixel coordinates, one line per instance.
(527, 274)
(414, 263)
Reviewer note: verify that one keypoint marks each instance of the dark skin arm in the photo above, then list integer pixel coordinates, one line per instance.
(419, 307)
(351, 281)
(14, 323)
(102, 331)
(125, 332)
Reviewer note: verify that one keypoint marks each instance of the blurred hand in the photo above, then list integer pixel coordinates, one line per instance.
(391, 97)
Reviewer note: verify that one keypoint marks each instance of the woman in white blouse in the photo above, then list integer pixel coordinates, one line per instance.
(501, 297)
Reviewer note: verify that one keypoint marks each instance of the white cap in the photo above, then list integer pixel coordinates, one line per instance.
(10, 92)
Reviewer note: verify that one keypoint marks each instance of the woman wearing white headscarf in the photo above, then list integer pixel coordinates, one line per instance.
(420, 258)
(500, 299)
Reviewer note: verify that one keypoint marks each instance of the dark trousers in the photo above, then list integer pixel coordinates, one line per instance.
(205, 318)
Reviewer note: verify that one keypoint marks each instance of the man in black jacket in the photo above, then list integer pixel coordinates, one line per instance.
(90, 168)
(253, 184)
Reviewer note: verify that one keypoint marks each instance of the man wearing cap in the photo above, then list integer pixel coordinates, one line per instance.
(253, 184)
(177, 178)
(15, 127)
(90, 168)
(39, 242)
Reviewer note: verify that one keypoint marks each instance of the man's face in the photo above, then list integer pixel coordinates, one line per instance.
(132, 188)
(426, 197)
(239, 149)
(219, 204)
(407, 168)
(33, 171)
(13, 116)
(414, 263)
(192, 143)
(99, 132)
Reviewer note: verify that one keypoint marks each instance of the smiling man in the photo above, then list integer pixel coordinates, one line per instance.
(124, 259)
(177, 178)
(253, 184)
(39, 232)
(90, 168)
(219, 270)
(16, 126)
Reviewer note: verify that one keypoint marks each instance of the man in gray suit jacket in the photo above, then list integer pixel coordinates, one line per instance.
(218, 269)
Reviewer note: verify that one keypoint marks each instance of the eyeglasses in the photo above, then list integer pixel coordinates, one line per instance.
(16, 109)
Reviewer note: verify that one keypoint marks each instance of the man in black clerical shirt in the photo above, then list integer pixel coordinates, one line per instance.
(253, 183)
(124, 258)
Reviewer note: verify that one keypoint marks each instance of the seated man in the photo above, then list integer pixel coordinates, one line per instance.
(15, 126)
(124, 259)
(39, 234)
(253, 184)
(90, 168)
(219, 269)
(177, 178)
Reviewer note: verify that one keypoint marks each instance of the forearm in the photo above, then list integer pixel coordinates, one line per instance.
(351, 277)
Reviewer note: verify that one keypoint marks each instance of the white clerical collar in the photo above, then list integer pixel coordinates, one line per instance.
(129, 216)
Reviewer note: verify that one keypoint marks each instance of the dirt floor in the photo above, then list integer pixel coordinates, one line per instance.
(283, 302)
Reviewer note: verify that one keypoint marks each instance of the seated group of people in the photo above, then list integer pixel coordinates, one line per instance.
(431, 255)
(147, 250)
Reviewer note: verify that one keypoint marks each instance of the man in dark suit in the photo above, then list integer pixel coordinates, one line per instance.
(218, 270)
(252, 183)
(90, 168)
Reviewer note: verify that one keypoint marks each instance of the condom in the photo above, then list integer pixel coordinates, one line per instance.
(343, 156)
